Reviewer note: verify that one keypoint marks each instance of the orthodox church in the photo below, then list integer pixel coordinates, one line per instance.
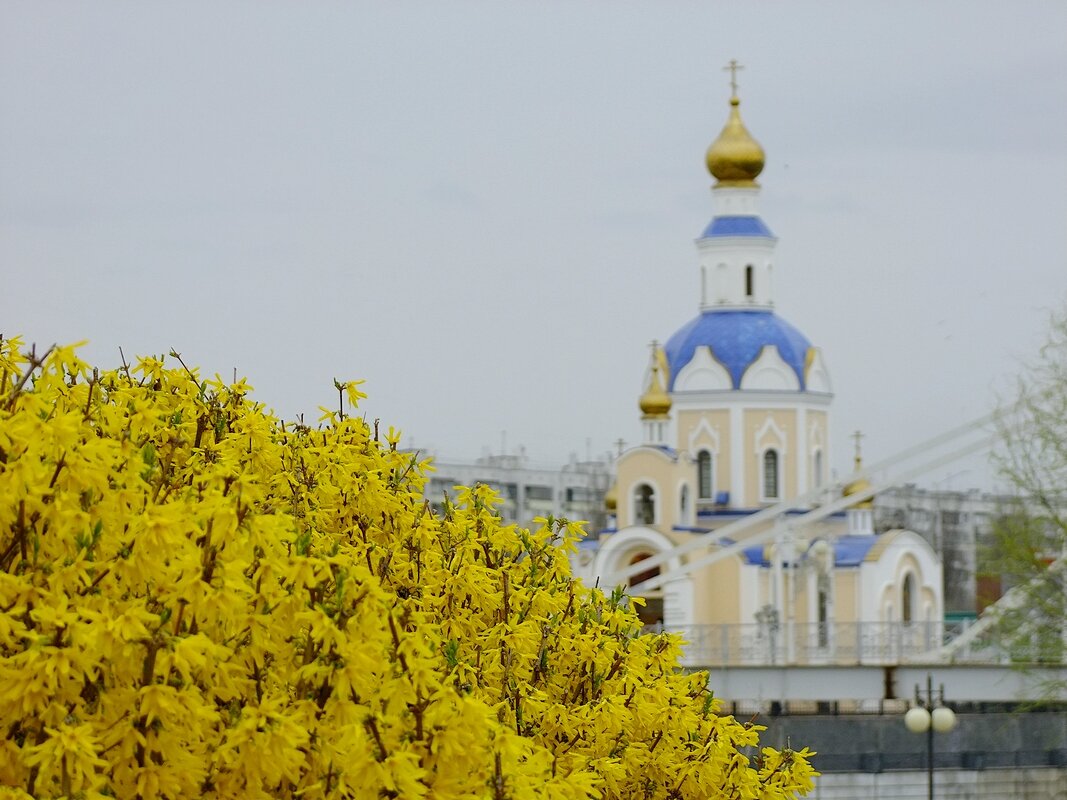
(735, 419)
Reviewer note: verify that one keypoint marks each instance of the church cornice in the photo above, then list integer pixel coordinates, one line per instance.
(732, 398)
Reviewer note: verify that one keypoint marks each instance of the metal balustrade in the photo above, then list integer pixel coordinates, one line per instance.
(827, 644)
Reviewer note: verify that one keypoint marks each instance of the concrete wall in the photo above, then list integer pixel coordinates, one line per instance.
(1035, 783)
(874, 744)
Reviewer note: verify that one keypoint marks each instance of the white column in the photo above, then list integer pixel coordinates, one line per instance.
(737, 458)
(789, 593)
(678, 615)
(678, 609)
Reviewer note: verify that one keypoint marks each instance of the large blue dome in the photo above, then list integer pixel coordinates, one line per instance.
(736, 338)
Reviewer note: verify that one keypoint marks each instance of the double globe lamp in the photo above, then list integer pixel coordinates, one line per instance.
(941, 719)
(930, 715)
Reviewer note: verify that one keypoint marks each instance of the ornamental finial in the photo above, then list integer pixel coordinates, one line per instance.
(858, 437)
(732, 68)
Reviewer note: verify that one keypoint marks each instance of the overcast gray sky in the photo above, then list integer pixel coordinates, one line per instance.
(487, 210)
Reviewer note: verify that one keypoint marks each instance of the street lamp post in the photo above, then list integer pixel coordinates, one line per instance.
(930, 714)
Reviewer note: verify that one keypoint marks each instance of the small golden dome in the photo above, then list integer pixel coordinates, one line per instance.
(611, 499)
(735, 158)
(655, 402)
(857, 486)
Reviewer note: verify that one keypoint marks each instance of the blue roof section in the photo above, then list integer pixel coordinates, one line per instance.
(728, 511)
(736, 226)
(754, 555)
(736, 338)
(849, 551)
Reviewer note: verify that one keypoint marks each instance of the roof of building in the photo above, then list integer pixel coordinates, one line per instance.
(849, 551)
(736, 226)
(670, 452)
(736, 338)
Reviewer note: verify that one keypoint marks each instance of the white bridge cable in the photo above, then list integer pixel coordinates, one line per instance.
(805, 519)
(738, 526)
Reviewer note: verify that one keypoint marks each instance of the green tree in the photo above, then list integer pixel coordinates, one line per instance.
(1026, 554)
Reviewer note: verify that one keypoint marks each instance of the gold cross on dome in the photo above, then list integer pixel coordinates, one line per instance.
(732, 68)
(857, 436)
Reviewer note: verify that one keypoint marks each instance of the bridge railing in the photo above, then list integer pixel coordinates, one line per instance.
(820, 644)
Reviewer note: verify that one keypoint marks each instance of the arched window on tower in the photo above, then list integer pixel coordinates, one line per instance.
(816, 469)
(644, 505)
(705, 482)
(770, 475)
(749, 282)
(907, 598)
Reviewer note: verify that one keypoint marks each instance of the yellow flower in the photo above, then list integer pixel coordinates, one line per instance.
(68, 753)
(202, 600)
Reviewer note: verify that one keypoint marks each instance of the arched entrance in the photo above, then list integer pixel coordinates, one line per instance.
(652, 612)
(626, 550)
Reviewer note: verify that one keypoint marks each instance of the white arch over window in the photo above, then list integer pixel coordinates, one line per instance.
(615, 554)
(704, 435)
(770, 451)
(770, 435)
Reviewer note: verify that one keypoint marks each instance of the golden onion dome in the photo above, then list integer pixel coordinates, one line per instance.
(735, 158)
(655, 402)
(857, 486)
(611, 499)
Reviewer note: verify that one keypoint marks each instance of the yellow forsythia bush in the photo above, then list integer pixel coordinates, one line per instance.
(199, 600)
